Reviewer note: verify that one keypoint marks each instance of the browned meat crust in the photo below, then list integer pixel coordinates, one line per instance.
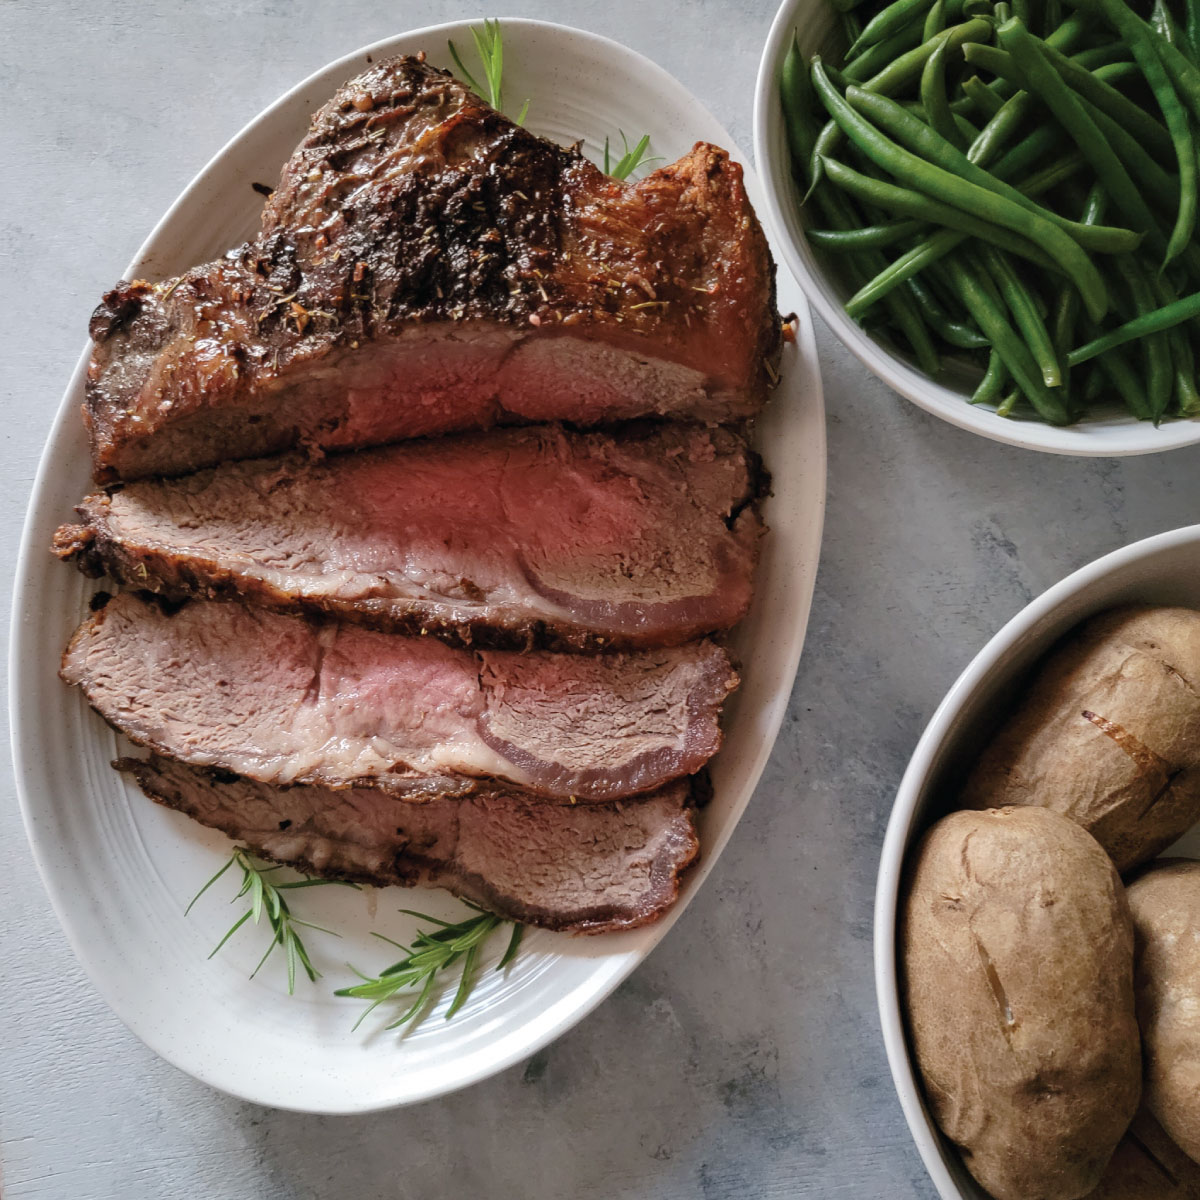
(424, 266)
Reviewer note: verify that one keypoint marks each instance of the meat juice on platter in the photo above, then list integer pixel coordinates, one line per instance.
(488, 659)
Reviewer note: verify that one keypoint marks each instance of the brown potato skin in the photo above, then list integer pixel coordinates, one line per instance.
(1017, 965)
(1108, 734)
(1165, 902)
(1147, 1165)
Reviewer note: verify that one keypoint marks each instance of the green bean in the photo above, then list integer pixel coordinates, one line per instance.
(992, 381)
(934, 99)
(1049, 177)
(1027, 151)
(851, 25)
(1020, 10)
(1018, 361)
(1161, 186)
(1185, 375)
(917, 137)
(935, 20)
(836, 211)
(1051, 16)
(1192, 28)
(902, 271)
(970, 198)
(1102, 56)
(1107, 99)
(906, 202)
(1144, 44)
(1044, 81)
(937, 318)
(850, 240)
(1069, 34)
(999, 129)
(1008, 403)
(894, 17)
(876, 59)
(1155, 347)
(796, 96)
(1162, 23)
(1165, 317)
(1024, 311)
(1183, 72)
(1127, 383)
(982, 97)
(1116, 70)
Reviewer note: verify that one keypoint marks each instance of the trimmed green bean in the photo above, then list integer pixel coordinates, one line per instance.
(876, 59)
(1165, 317)
(1127, 383)
(939, 155)
(1000, 128)
(1043, 80)
(993, 379)
(894, 17)
(902, 271)
(796, 96)
(1025, 313)
(869, 236)
(906, 202)
(1144, 44)
(984, 98)
(1008, 403)
(1162, 187)
(1015, 354)
(1155, 347)
(1027, 151)
(934, 100)
(938, 319)
(935, 21)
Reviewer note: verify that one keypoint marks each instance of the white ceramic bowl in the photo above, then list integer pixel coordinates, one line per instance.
(1114, 433)
(1160, 570)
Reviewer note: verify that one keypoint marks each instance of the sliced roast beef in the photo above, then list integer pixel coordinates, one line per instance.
(587, 868)
(424, 266)
(285, 700)
(512, 538)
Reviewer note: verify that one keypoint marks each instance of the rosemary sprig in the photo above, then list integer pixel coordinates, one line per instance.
(426, 958)
(630, 160)
(489, 45)
(265, 897)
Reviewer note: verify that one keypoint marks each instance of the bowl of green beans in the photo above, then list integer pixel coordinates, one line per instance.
(994, 206)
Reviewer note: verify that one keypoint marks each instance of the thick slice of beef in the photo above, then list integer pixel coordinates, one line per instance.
(424, 266)
(511, 538)
(588, 868)
(284, 700)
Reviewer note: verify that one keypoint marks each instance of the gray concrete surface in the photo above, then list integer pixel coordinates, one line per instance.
(743, 1059)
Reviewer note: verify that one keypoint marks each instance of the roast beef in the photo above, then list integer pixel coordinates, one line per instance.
(591, 868)
(284, 700)
(424, 266)
(512, 538)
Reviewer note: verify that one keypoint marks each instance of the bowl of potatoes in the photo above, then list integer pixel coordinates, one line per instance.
(1037, 918)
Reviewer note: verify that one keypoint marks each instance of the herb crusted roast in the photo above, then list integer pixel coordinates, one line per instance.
(511, 538)
(589, 868)
(426, 266)
(283, 700)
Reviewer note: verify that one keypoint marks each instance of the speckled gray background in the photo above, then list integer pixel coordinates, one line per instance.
(743, 1059)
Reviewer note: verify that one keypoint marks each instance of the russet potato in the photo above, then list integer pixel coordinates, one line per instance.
(1165, 903)
(1108, 734)
(1017, 958)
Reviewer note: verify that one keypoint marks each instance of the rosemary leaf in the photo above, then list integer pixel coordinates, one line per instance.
(265, 896)
(431, 953)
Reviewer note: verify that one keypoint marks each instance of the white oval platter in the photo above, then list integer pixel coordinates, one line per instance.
(120, 870)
